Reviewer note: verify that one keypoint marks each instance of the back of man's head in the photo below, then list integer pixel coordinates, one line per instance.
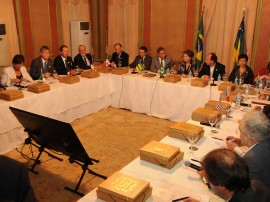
(225, 168)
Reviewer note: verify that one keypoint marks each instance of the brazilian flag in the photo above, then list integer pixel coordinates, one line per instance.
(239, 43)
(139, 67)
(199, 45)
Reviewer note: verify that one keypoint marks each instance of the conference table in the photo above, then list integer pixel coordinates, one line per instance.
(181, 180)
(68, 102)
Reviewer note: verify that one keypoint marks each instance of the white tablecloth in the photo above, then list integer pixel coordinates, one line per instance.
(180, 175)
(66, 102)
(63, 102)
(153, 96)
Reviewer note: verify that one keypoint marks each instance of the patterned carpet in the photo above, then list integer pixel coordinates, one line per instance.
(113, 136)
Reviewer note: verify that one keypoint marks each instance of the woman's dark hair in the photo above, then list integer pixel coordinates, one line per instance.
(188, 52)
(18, 59)
(243, 55)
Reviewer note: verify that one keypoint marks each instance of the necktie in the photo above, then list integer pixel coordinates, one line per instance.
(161, 63)
(45, 67)
(84, 60)
(142, 60)
(66, 64)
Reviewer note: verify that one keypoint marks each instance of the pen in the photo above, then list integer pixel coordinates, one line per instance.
(180, 199)
(195, 160)
(217, 138)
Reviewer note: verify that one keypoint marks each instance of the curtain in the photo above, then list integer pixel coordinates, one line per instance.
(123, 26)
(73, 10)
(221, 23)
(7, 17)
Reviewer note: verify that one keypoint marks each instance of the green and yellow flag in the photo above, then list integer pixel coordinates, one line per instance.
(239, 43)
(139, 67)
(199, 45)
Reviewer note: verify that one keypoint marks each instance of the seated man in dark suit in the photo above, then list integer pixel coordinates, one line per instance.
(143, 58)
(42, 67)
(254, 130)
(83, 60)
(161, 60)
(211, 68)
(63, 63)
(228, 177)
(119, 57)
(15, 184)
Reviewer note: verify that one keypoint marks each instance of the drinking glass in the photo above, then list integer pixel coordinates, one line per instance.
(247, 89)
(192, 138)
(212, 121)
(224, 77)
(196, 73)
(119, 63)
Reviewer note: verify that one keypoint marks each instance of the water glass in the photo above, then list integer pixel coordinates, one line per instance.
(192, 138)
(212, 120)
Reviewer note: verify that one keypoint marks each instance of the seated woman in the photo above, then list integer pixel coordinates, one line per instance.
(254, 134)
(187, 65)
(242, 71)
(15, 74)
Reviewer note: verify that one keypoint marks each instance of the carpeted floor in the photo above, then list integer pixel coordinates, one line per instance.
(113, 136)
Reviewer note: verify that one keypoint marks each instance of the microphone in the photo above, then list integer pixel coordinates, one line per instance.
(213, 84)
(191, 165)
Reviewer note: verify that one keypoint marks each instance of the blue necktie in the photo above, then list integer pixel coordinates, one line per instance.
(45, 67)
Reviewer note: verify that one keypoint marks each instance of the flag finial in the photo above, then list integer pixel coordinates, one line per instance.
(244, 11)
(203, 9)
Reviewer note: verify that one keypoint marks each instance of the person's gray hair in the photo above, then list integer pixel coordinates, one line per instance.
(256, 126)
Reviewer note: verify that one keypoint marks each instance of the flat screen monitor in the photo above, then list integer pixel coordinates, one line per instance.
(52, 134)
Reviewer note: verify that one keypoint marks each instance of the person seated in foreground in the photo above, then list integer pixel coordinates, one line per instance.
(42, 67)
(83, 60)
(242, 71)
(15, 183)
(143, 58)
(254, 130)
(228, 177)
(211, 68)
(187, 65)
(15, 74)
(119, 57)
(161, 60)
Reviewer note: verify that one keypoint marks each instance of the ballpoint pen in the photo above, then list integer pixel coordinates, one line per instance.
(180, 199)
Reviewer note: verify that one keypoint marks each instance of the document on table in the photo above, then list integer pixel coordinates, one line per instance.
(167, 193)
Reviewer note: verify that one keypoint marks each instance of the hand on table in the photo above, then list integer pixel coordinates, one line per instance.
(47, 74)
(190, 199)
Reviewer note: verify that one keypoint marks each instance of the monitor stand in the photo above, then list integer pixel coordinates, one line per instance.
(41, 149)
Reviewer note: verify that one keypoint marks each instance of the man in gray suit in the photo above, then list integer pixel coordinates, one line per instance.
(161, 60)
(255, 135)
(43, 65)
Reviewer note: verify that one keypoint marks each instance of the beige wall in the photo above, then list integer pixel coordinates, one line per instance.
(40, 24)
(168, 27)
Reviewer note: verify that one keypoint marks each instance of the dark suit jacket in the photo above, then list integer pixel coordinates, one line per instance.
(15, 184)
(60, 66)
(248, 75)
(155, 65)
(123, 57)
(78, 60)
(147, 61)
(37, 65)
(256, 192)
(258, 160)
(219, 69)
